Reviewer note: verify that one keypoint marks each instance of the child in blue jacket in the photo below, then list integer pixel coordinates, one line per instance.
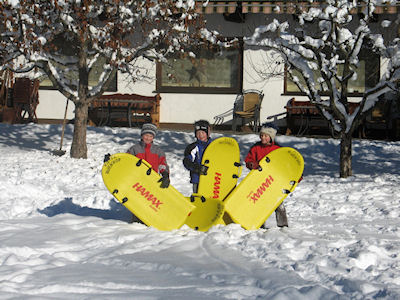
(194, 152)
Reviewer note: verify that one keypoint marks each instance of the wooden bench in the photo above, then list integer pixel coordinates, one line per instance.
(303, 116)
(117, 108)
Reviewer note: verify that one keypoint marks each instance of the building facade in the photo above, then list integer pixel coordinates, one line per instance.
(204, 86)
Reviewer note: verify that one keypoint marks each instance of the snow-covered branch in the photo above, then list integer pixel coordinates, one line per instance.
(322, 52)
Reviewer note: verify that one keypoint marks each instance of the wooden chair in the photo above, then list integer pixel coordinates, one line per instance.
(247, 109)
(25, 99)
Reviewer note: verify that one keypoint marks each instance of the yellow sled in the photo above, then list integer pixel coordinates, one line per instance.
(134, 183)
(222, 157)
(261, 192)
(208, 212)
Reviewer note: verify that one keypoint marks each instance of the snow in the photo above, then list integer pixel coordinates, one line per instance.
(63, 236)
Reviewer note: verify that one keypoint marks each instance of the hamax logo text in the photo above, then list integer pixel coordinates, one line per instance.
(111, 163)
(217, 185)
(254, 196)
(154, 202)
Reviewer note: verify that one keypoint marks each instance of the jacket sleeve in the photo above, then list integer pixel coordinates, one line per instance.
(135, 149)
(251, 156)
(188, 160)
(131, 150)
(162, 163)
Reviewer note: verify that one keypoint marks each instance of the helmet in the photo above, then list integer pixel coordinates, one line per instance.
(202, 125)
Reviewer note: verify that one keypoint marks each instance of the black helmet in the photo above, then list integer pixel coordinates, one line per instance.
(202, 125)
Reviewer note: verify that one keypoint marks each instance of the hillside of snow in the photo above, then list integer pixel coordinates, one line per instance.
(63, 236)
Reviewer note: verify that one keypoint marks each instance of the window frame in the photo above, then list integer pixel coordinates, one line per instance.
(64, 44)
(365, 55)
(160, 88)
(112, 87)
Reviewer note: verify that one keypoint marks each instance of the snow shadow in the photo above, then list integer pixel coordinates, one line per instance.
(113, 135)
(322, 156)
(376, 157)
(33, 136)
(66, 206)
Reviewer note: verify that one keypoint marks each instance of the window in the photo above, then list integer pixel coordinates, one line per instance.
(211, 71)
(46, 84)
(66, 48)
(368, 74)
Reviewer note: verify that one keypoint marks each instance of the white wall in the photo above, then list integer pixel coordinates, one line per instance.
(186, 108)
(182, 108)
(52, 105)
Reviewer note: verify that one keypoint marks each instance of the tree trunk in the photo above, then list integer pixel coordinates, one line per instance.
(345, 155)
(79, 147)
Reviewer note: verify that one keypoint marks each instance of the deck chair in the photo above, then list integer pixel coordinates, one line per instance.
(247, 109)
(25, 99)
(219, 119)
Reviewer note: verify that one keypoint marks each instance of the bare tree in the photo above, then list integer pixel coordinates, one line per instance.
(322, 49)
(66, 39)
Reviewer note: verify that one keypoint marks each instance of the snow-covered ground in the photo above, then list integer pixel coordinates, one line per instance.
(63, 236)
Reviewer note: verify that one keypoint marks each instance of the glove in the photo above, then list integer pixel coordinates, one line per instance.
(107, 157)
(164, 180)
(200, 169)
(252, 165)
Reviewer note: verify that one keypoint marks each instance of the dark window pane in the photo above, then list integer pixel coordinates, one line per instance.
(209, 71)
(65, 46)
(94, 75)
(367, 76)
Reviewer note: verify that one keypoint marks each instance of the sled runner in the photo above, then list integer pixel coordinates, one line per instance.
(261, 191)
(222, 157)
(133, 182)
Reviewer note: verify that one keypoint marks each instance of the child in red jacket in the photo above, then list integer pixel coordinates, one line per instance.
(256, 153)
(153, 154)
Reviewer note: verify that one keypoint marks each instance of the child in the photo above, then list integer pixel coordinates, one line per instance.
(256, 153)
(194, 152)
(151, 153)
